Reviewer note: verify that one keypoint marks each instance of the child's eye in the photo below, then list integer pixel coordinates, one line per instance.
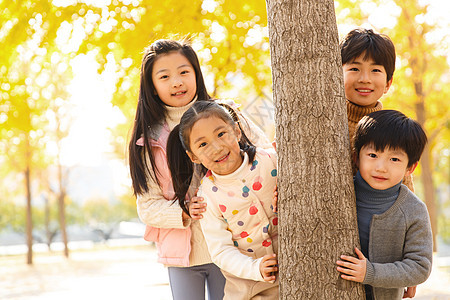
(376, 70)
(184, 72)
(354, 69)
(221, 134)
(395, 159)
(373, 155)
(202, 145)
(163, 77)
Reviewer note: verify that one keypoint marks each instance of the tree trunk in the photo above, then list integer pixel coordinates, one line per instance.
(29, 218)
(48, 232)
(419, 66)
(62, 211)
(427, 175)
(316, 196)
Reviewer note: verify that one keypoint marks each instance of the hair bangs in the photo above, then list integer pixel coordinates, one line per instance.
(390, 129)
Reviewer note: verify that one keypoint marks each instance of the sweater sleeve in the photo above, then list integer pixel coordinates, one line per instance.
(272, 154)
(153, 208)
(415, 266)
(156, 211)
(221, 247)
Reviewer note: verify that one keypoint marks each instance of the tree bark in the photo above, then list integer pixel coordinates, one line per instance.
(317, 206)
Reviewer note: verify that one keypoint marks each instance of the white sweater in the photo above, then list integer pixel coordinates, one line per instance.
(239, 225)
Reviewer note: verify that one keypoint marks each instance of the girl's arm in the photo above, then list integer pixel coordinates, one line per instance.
(153, 208)
(221, 248)
(156, 211)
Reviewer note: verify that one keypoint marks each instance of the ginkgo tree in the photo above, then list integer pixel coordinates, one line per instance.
(28, 36)
(23, 139)
(421, 82)
(229, 37)
(231, 40)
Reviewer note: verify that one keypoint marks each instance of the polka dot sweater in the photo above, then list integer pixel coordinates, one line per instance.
(239, 225)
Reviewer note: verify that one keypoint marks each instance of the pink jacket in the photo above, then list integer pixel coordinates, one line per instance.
(174, 245)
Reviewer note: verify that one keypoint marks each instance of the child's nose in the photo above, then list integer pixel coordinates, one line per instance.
(380, 166)
(364, 77)
(217, 146)
(177, 82)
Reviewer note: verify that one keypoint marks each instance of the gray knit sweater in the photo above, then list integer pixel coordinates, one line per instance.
(400, 247)
(369, 202)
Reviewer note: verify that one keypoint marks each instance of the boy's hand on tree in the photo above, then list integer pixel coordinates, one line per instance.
(268, 267)
(409, 292)
(353, 268)
(197, 207)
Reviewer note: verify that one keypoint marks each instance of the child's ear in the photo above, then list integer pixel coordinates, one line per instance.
(411, 169)
(237, 131)
(193, 158)
(388, 85)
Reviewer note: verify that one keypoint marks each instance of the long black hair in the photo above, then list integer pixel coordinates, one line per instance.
(151, 111)
(181, 167)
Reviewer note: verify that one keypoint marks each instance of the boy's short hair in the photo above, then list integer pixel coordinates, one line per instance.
(391, 129)
(377, 46)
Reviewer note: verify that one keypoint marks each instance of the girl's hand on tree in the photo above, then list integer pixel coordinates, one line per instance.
(275, 199)
(268, 267)
(275, 190)
(197, 207)
(353, 269)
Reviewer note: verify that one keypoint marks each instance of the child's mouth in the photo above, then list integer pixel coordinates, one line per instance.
(223, 158)
(179, 93)
(364, 91)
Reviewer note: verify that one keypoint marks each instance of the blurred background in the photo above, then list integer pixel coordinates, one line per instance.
(69, 78)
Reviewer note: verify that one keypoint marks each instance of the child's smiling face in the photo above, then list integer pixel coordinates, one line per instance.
(365, 81)
(383, 169)
(174, 79)
(214, 143)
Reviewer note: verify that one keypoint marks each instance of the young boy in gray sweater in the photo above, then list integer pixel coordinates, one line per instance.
(394, 226)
